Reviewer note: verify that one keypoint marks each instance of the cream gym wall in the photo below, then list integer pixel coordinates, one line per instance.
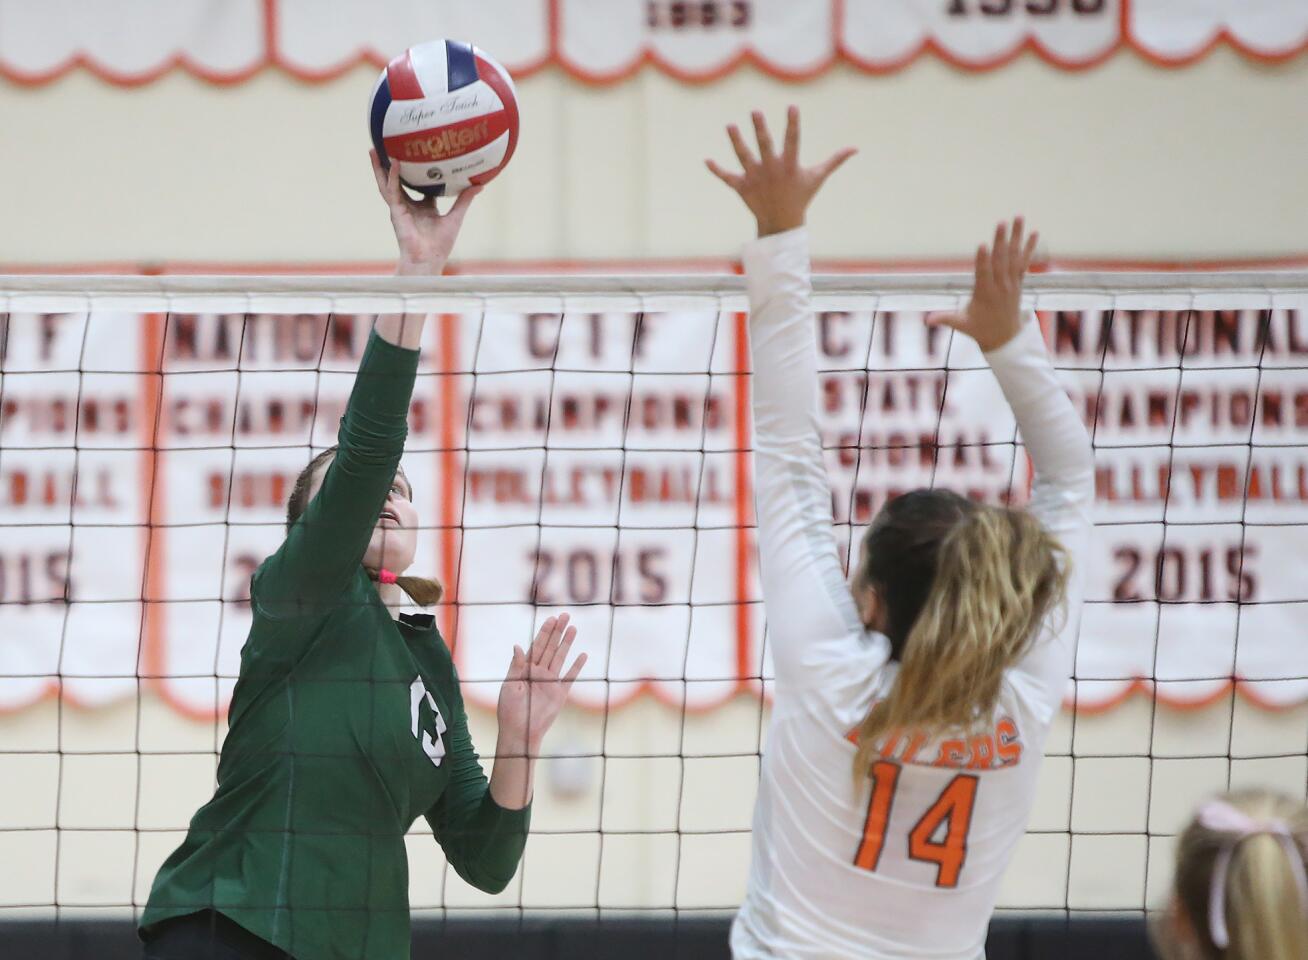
(1124, 160)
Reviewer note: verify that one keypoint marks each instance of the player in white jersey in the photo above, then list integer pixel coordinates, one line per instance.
(913, 701)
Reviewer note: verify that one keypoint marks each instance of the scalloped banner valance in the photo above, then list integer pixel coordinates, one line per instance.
(131, 42)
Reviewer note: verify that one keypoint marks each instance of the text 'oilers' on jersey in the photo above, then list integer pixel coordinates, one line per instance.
(907, 862)
(346, 726)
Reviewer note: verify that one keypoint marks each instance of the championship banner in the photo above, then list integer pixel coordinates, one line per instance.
(598, 463)
(605, 41)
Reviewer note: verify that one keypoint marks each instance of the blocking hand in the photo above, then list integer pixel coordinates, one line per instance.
(773, 185)
(993, 316)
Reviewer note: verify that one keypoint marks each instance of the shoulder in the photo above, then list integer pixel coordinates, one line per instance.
(429, 648)
(424, 624)
(844, 674)
(262, 584)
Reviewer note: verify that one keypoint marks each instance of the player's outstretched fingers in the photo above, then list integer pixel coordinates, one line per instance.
(763, 135)
(999, 256)
(540, 652)
(833, 164)
(389, 186)
(542, 636)
(393, 182)
(552, 643)
(379, 174)
(733, 180)
(459, 209)
(954, 321)
(1015, 243)
(1028, 255)
(743, 153)
(982, 263)
(517, 665)
(560, 656)
(790, 151)
(571, 675)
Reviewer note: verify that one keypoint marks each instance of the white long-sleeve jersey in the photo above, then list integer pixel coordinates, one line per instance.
(908, 862)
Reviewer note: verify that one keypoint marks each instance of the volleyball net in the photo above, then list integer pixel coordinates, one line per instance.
(582, 444)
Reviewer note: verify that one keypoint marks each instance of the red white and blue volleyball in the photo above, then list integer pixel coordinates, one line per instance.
(447, 113)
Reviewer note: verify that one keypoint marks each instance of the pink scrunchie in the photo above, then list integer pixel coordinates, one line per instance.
(1220, 816)
(385, 576)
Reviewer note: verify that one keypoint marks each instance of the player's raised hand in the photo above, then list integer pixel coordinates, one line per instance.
(775, 187)
(537, 685)
(424, 235)
(993, 315)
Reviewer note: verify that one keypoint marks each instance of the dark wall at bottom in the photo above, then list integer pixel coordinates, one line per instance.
(532, 938)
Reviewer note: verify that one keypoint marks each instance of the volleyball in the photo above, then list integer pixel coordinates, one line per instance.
(447, 113)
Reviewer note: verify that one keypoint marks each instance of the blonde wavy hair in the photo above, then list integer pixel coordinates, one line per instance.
(965, 588)
(1243, 855)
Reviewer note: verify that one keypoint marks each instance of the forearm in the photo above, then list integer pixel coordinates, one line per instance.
(804, 586)
(513, 773)
(401, 329)
(1053, 433)
(375, 424)
(782, 342)
(483, 827)
(405, 329)
(1062, 494)
(487, 847)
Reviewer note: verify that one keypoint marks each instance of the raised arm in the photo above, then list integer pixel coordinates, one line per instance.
(326, 544)
(1062, 495)
(482, 826)
(482, 839)
(807, 599)
(425, 238)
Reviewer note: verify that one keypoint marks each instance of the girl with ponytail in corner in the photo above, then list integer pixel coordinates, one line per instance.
(1240, 891)
(347, 722)
(934, 674)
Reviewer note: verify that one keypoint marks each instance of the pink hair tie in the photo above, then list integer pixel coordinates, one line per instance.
(385, 576)
(1220, 816)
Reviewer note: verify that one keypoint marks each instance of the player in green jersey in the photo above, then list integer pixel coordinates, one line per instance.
(347, 723)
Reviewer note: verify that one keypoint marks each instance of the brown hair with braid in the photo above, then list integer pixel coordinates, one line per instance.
(424, 591)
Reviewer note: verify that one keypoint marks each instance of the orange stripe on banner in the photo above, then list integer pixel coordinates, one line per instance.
(744, 631)
(451, 485)
(271, 39)
(119, 78)
(153, 658)
(1147, 688)
(152, 654)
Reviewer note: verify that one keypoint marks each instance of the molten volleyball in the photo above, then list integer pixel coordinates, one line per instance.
(447, 113)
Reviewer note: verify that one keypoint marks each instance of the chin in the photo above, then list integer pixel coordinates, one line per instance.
(392, 556)
(400, 566)
(395, 564)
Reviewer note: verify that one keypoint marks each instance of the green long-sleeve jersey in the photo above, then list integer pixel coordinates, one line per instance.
(345, 726)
